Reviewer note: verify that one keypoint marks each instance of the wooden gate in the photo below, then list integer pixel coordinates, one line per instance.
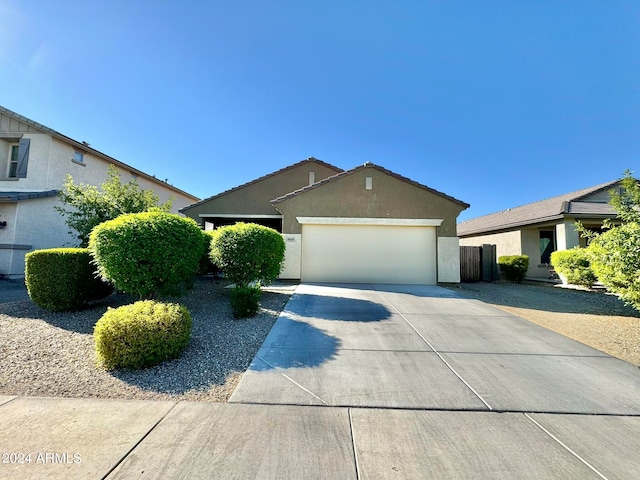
(478, 263)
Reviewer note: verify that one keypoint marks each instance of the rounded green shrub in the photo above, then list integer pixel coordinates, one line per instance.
(513, 267)
(615, 259)
(574, 265)
(247, 252)
(245, 301)
(148, 253)
(63, 279)
(141, 335)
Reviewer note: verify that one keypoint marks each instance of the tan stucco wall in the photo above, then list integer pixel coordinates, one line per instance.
(255, 199)
(567, 235)
(507, 243)
(390, 197)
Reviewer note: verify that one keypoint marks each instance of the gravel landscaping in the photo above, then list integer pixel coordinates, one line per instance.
(52, 354)
(593, 317)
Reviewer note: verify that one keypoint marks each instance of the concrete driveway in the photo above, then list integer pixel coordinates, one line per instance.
(424, 347)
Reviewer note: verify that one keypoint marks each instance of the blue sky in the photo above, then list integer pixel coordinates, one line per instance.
(497, 103)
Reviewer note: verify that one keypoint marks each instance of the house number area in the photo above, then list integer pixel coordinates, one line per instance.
(40, 458)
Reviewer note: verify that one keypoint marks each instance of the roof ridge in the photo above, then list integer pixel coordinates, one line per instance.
(357, 168)
(568, 197)
(259, 179)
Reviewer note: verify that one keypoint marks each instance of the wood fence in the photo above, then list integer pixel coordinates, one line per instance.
(478, 263)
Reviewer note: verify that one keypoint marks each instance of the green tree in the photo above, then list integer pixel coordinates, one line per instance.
(86, 206)
(246, 252)
(627, 202)
(615, 254)
(615, 259)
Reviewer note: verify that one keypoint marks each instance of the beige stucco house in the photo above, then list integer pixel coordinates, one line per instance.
(539, 228)
(366, 224)
(34, 161)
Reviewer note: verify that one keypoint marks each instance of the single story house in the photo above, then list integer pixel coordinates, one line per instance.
(539, 228)
(34, 162)
(366, 224)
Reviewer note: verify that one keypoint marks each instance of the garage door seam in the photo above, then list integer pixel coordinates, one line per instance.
(566, 447)
(439, 355)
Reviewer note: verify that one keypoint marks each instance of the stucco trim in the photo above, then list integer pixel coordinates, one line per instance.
(234, 215)
(394, 222)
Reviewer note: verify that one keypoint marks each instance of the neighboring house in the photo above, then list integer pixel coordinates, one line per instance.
(367, 224)
(34, 161)
(539, 228)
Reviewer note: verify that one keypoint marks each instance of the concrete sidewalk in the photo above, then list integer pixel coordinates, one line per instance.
(361, 382)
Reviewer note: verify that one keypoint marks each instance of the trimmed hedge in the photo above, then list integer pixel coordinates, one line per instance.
(148, 253)
(63, 279)
(141, 335)
(513, 267)
(574, 265)
(247, 252)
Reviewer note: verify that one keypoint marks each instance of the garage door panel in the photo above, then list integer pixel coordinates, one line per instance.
(367, 253)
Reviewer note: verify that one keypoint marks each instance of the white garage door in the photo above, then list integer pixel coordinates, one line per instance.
(369, 253)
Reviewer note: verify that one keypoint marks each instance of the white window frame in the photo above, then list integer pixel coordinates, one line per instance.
(78, 157)
(13, 147)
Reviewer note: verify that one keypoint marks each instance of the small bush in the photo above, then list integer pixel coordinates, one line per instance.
(142, 334)
(148, 253)
(63, 279)
(574, 265)
(247, 252)
(245, 301)
(514, 267)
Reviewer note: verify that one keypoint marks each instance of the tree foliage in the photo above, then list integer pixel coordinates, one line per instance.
(148, 253)
(615, 253)
(615, 259)
(86, 206)
(627, 202)
(247, 252)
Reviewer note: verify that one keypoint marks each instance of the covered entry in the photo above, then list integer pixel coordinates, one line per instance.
(369, 250)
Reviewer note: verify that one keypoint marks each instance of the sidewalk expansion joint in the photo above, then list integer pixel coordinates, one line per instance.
(124, 457)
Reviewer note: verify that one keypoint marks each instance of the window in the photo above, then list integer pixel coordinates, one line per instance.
(13, 161)
(78, 157)
(547, 245)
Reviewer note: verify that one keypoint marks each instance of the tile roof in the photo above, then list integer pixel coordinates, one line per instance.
(360, 167)
(302, 162)
(541, 211)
